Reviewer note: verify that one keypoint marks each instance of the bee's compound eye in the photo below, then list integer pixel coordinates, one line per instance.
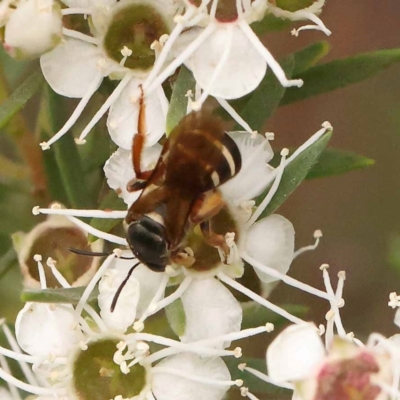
(146, 239)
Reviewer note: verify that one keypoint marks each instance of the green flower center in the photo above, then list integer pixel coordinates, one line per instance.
(135, 27)
(226, 9)
(97, 377)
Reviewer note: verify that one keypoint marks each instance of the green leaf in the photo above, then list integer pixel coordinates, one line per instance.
(110, 202)
(60, 296)
(294, 5)
(295, 173)
(178, 104)
(66, 154)
(309, 56)
(256, 315)
(16, 101)
(270, 23)
(262, 103)
(394, 251)
(176, 317)
(335, 162)
(340, 73)
(255, 385)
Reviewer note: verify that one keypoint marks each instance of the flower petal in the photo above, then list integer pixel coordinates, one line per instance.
(122, 120)
(71, 68)
(271, 242)
(242, 72)
(295, 353)
(46, 329)
(166, 386)
(119, 170)
(124, 313)
(211, 310)
(255, 173)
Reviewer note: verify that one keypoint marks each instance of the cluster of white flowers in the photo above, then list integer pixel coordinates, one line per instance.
(94, 348)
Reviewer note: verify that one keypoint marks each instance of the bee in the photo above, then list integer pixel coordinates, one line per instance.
(181, 191)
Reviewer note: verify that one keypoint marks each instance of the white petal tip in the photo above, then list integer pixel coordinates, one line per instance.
(318, 234)
(270, 327)
(44, 146)
(323, 267)
(36, 210)
(327, 125)
(37, 257)
(80, 141)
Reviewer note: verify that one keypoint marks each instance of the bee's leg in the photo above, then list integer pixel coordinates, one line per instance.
(203, 210)
(205, 207)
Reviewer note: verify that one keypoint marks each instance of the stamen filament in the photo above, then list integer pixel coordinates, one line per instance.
(13, 390)
(232, 112)
(76, 113)
(80, 36)
(269, 59)
(76, 10)
(40, 391)
(180, 59)
(100, 234)
(174, 296)
(267, 379)
(17, 349)
(317, 236)
(80, 213)
(278, 310)
(89, 288)
(285, 278)
(271, 192)
(107, 104)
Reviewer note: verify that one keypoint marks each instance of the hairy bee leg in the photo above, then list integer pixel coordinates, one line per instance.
(136, 184)
(207, 206)
(214, 239)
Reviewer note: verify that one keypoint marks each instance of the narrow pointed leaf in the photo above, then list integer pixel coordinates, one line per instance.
(66, 155)
(295, 173)
(256, 315)
(340, 73)
(110, 202)
(309, 56)
(19, 97)
(60, 296)
(336, 162)
(262, 103)
(178, 104)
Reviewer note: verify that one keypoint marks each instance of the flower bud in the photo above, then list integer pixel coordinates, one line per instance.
(34, 28)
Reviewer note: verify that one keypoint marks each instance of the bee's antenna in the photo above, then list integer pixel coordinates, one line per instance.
(121, 286)
(94, 253)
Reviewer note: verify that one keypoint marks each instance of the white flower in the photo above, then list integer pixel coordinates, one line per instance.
(311, 13)
(119, 50)
(54, 237)
(226, 57)
(62, 344)
(33, 28)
